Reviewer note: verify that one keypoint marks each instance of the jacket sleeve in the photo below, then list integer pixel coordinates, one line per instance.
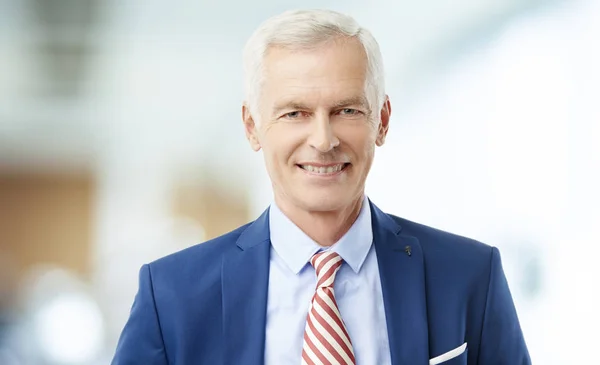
(502, 341)
(141, 341)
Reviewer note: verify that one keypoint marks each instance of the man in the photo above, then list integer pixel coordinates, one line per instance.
(323, 276)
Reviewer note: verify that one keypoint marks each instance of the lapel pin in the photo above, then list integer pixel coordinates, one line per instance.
(408, 250)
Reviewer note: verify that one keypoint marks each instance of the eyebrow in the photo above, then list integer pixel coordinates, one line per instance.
(351, 101)
(354, 100)
(288, 106)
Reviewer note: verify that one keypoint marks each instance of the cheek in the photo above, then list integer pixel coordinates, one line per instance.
(359, 139)
(281, 142)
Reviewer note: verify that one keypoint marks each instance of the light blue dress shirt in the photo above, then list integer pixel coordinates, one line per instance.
(292, 282)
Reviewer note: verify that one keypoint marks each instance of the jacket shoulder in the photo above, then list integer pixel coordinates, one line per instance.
(448, 253)
(201, 257)
(440, 241)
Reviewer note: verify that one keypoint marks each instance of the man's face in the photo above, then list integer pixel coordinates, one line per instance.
(315, 125)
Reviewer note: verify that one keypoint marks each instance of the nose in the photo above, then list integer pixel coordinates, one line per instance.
(322, 137)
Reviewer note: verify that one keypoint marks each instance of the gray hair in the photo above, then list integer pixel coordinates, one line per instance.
(307, 29)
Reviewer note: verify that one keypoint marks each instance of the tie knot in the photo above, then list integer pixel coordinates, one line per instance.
(326, 264)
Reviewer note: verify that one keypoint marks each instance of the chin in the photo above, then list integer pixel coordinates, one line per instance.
(324, 202)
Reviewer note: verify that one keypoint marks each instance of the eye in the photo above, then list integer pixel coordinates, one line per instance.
(349, 111)
(296, 114)
(292, 115)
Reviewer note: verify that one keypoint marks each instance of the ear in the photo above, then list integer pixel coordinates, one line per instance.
(386, 112)
(250, 128)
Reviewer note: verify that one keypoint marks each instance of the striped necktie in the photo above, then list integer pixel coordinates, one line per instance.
(326, 340)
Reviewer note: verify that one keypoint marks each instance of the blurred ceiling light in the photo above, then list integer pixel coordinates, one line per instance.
(63, 322)
(69, 329)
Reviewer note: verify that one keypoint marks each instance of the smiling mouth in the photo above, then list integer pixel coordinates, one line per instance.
(325, 170)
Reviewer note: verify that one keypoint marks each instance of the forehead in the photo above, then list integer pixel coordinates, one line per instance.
(332, 71)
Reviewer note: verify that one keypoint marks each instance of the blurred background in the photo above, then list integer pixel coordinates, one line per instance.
(121, 141)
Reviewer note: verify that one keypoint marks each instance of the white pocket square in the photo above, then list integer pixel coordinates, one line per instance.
(448, 355)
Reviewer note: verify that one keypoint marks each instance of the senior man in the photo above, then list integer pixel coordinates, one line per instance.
(322, 276)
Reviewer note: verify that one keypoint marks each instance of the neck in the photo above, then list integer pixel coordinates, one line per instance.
(325, 228)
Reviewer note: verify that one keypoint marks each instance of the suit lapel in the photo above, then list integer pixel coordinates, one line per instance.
(245, 280)
(402, 275)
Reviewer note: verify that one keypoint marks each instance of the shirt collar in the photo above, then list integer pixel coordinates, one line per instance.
(295, 248)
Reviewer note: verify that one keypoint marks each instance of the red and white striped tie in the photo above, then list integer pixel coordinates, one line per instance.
(326, 340)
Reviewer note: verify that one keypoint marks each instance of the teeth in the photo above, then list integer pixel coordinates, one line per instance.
(323, 170)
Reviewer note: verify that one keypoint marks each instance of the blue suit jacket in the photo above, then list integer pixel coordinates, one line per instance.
(207, 304)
